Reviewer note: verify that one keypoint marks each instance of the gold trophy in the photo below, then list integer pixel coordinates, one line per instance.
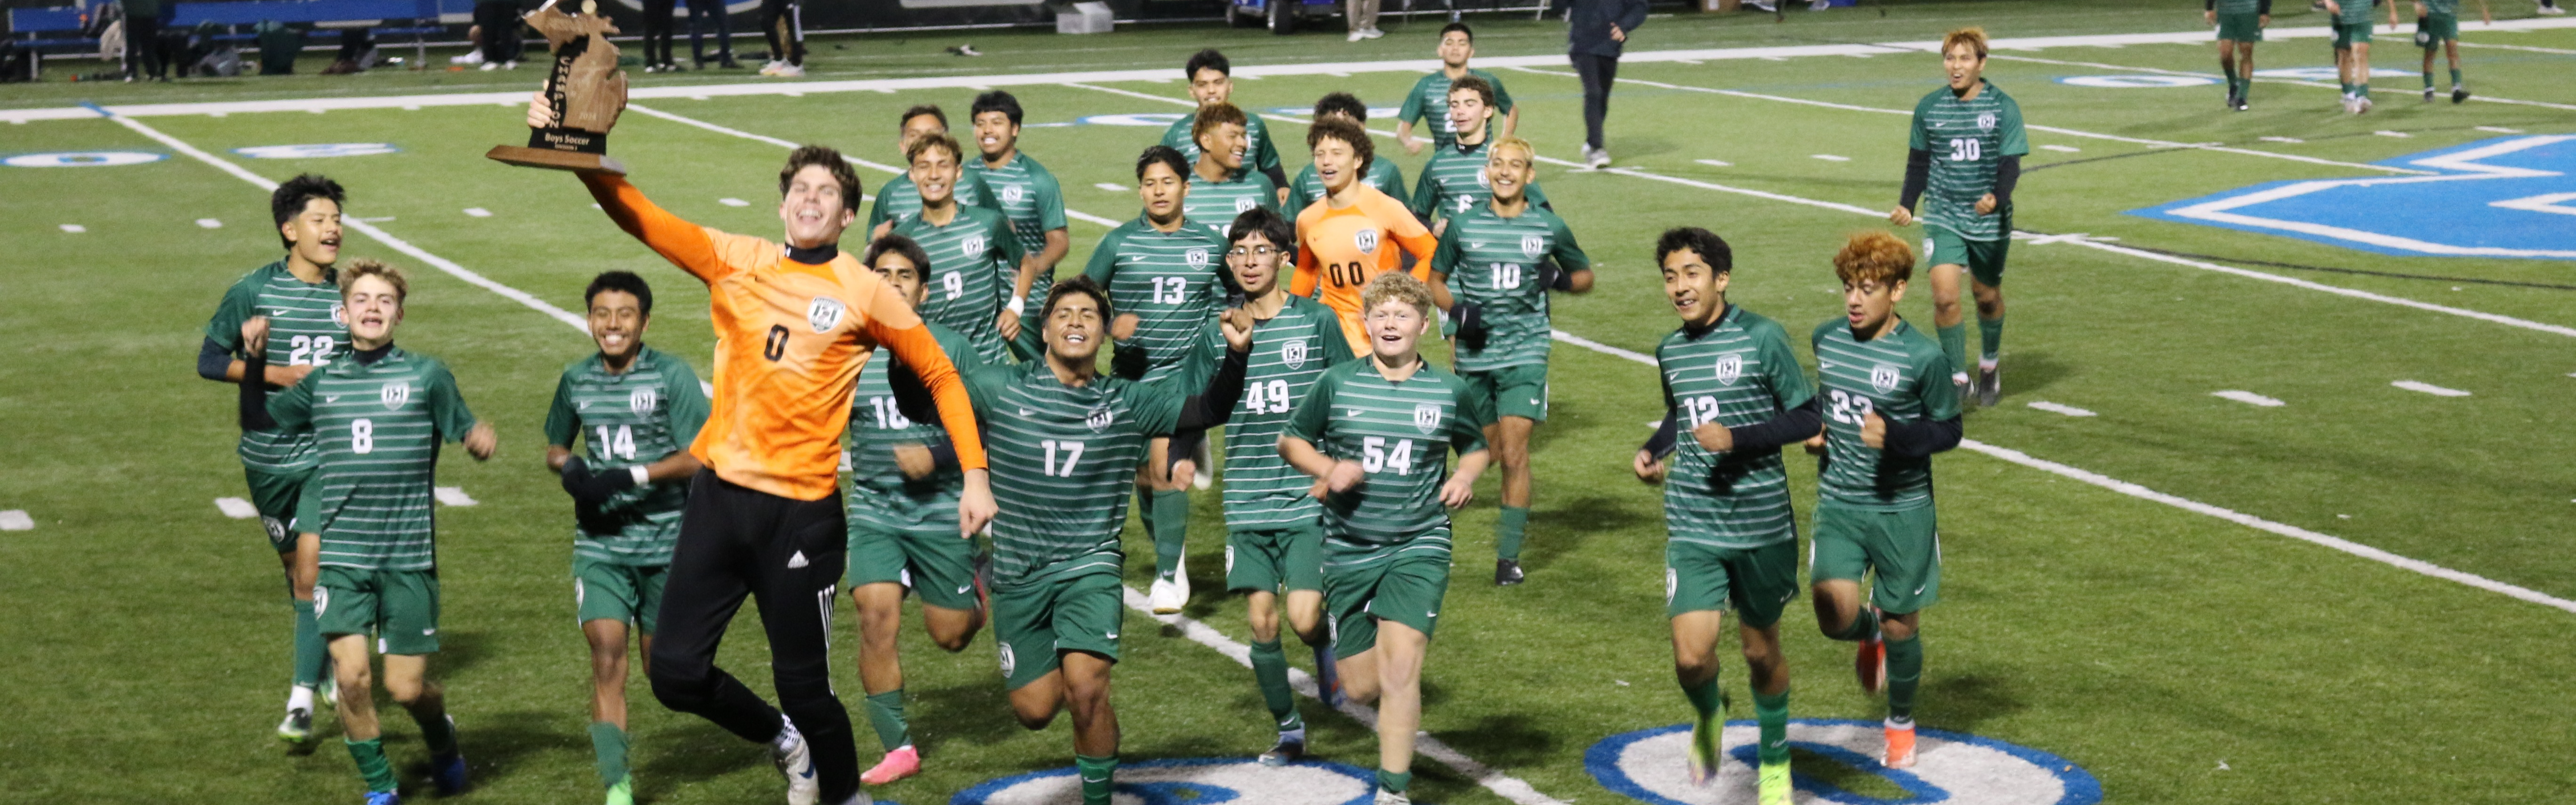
(586, 91)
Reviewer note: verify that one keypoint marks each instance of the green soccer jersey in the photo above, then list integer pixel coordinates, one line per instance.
(1454, 182)
(1217, 203)
(1029, 196)
(972, 260)
(1168, 279)
(2225, 7)
(1738, 372)
(1492, 261)
(1428, 105)
(877, 492)
(2356, 13)
(898, 198)
(1289, 352)
(2441, 8)
(1063, 462)
(639, 416)
(1903, 376)
(379, 425)
(1260, 154)
(1397, 432)
(1968, 139)
(1308, 187)
(304, 329)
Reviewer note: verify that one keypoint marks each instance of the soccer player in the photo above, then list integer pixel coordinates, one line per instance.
(899, 197)
(902, 500)
(1211, 79)
(1965, 150)
(1454, 181)
(1274, 544)
(1731, 382)
(2352, 48)
(635, 409)
(1429, 99)
(2437, 26)
(2240, 24)
(1498, 261)
(1375, 434)
(1220, 188)
(299, 296)
(368, 529)
(794, 324)
(1353, 234)
(1383, 174)
(1886, 413)
(1164, 269)
(973, 252)
(1028, 194)
(1067, 443)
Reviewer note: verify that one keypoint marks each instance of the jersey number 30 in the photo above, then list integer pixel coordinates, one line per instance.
(1966, 149)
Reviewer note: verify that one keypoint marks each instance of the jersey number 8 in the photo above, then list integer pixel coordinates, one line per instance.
(362, 436)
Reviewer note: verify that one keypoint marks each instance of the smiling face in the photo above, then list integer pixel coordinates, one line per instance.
(1161, 191)
(1868, 303)
(900, 274)
(372, 306)
(1336, 163)
(1509, 169)
(1255, 262)
(995, 134)
(934, 172)
(917, 127)
(617, 324)
(1963, 66)
(1456, 48)
(1394, 329)
(811, 208)
(1225, 144)
(315, 232)
(1211, 87)
(1075, 329)
(1697, 291)
(1468, 113)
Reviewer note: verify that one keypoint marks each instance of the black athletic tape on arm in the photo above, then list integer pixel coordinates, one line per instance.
(254, 394)
(1667, 436)
(1918, 175)
(1791, 426)
(1209, 408)
(213, 360)
(2007, 176)
(1183, 445)
(1919, 438)
(943, 457)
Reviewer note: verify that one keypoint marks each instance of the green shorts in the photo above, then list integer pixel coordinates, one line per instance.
(275, 495)
(631, 594)
(2431, 30)
(2240, 27)
(1266, 560)
(1984, 258)
(2346, 36)
(1514, 390)
(937, 565)
(1405, 588)
(1755, 582)
(1034, 624)
(399, 607)
(1900, 548)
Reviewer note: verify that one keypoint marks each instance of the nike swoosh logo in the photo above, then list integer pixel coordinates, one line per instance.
(1113, 635)
(962, 588)
(330, 398)
(1434, 615)
(1352, 412)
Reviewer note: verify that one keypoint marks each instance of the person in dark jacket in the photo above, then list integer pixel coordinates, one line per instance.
(1597, 31)
(142, 41)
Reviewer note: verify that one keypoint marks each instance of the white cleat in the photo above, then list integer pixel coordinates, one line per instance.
(772, 67)
(796, 763)
(1385, 797)
(789, 71)
(1357, 36)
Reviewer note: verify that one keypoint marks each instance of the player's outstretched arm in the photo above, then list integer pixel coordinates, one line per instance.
(685, 244)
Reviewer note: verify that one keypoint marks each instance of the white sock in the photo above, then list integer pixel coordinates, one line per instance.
(1298, 735)
(299, 697)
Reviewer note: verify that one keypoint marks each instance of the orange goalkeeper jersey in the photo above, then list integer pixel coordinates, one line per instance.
(1341, 250)
(790, 340)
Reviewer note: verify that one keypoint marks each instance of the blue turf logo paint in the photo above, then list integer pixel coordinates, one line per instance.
(1650, 766)
(2500, 197)
(1189, 781)
(316, 150)
(81, 159)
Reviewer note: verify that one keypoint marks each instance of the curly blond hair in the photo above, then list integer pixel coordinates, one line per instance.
(1874, 256)
(1396, 286)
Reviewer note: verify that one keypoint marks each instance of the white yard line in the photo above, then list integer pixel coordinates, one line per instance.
(2509, 321)
(2428, 388)
(18, 520)
(2526, 48)
(2266, 80)
(2055, 408)
(2248, 398)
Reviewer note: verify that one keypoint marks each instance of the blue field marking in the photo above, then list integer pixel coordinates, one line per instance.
(80, 159)
(316, 150)
(2136, 81)
(1201, 783)
(2508, 197)
(2078, 787)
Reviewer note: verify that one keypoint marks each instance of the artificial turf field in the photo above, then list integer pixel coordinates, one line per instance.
(2175, 656)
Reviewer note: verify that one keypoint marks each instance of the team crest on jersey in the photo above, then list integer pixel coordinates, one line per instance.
(1198, 258)
(1008, 662)
(339, 314)
(1243, 204)
(642, 400)
(974, 245)
(1366, 240)
(1426, 417)
(1293, 353)
(1729, 369)
(1100, 418)
(1532, 245)
(395, 394)
(824, 313)
(1985, 121)
(1883, 378)
(1483, 180)
(1013, 193)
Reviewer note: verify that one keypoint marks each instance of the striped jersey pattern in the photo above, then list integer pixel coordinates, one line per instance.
(899, 198)
(1028, 195)
(2252, 6)
(972, 262)
(1290, 351)
(2356, 14)
(1968, 139)
(1308, 187)
(304, 329)
(1064, 462)
(2432, 8)
(1260, 153)
(1428, 105)
(647, 413)
(1401, 434)
(380, 426)
(1454, 182)
(1217, 203)
(1168, 279)
(1903, 376)
(877, 493)
(1739, 372)
(1493, 261)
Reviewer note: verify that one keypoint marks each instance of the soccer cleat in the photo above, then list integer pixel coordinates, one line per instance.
(383, 798)
(2240, 103)
(1328, 677)
(1356, 36)
(796, 763)
(2459, 94)
(904, 761)
(790, 71)
(1774, 785)
(2361, 104)
(1900, 748)
(1291, 747)
(474, 56)
(1597, 158)
(1385, 797)
(623, 793)
(1704, 739)
(1166, 597)
(2428, 94)
(329, 690)
(1870, 664)
(772, 67)
(1507, 572)
(490, 66)
(298, 726)
(1990, 385)
(447, 773)
(2551, 11)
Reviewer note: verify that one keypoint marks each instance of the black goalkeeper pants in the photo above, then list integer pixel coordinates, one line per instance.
(1597, 73)
(779, 23)
(787, 554)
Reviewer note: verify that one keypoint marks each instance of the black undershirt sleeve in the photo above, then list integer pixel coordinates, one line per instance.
(1210, 407)
(1918, 438)
(1667, 436)
(1278, 178)
(2007, 176)
(212, 360)
(1794, 425)
(254, 394)
(2263, 7)
(1918, 175)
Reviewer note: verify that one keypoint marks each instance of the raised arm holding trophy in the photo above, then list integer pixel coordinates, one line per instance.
(582, 97)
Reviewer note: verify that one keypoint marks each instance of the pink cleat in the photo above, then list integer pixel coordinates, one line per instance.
(903, 762)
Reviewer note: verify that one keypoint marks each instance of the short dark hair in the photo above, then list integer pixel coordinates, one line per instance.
(622, 282)
(830, 160)
(1476, 84)
(1078, 285)
(1459, 27)
(1206, 59)
(1164, 155)
(1345, 131)
(995, 101)
(901, 245)
(1266, 223)
(289, 199)
(1344, 103)
(1706, 244)
(930, 109)
(1210, 117)
(913, 151)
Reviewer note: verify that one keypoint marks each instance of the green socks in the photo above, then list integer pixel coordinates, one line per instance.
(1990, 339)
(1954, 343)
(1904, 674)
(2455, 79)
(1168, 520)
(1095, 773)
(2428, 79)
(1393, 781)
(1270, 670)
(437, 733)
(609, 744)
(1507, 537)
(370, 755)
(1773, 713)
(1862, 626)
(885, 712)
(1707, 699)
(311, 655)
(2229, 66)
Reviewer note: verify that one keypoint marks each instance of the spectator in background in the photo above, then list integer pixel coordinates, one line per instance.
(1596, 32)
(499, 20)
(657, 37)
(1363, 19)
(785, 29)
(143, 41)
(699, 12)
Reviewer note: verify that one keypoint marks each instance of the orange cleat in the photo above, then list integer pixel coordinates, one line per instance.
(905, 761)
(1900, 748)
(1870, 664)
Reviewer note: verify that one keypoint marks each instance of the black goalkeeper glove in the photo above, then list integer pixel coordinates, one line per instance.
(1471, 324)
(593, 489)
(1554, 277)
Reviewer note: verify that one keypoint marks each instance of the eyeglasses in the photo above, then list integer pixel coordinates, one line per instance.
(1252, 251)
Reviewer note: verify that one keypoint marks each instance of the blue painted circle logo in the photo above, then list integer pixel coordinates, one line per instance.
(316, 150)
(82, 159)
(1650, 766)
(1189, 781)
